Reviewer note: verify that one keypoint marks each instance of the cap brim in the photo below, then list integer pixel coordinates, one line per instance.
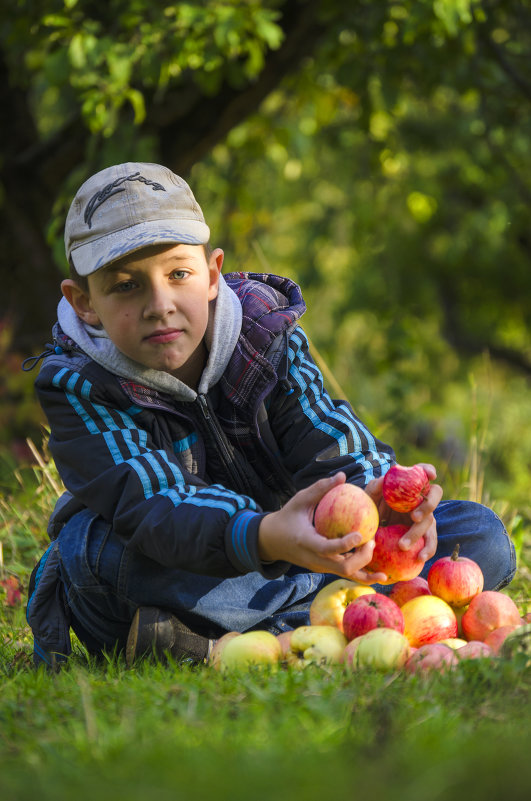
(91, 256)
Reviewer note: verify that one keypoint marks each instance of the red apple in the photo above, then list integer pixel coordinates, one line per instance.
(456, 579)
(497, 637)
(389, 558)
(370, 612)
(474, 649)
(488, 611)
(328, 606)
(404, 488)
(346, 508)
(404, 591)
(428, 619)
(431, 656)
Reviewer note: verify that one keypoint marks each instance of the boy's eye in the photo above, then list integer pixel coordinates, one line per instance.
(124, 286)
(180, 274)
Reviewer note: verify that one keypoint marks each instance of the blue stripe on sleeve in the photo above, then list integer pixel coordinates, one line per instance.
(239, 539)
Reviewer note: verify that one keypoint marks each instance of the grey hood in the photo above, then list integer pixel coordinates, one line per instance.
(221, 336)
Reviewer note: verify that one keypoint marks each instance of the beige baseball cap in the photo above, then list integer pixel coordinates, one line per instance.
(126, 207)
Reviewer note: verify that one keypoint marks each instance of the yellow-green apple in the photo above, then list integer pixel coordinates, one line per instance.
(497, 637)
(214, 658)
(428, 619)
(431, 656)
(346, 508)
(404, 591)
(370, 612)
(382, 649)
(488, 611)
(252, 648)
(328, 606)
(404, 488)
(320, 645)
(474, 649)
(453, 642)
(456, 579)
(389, 558)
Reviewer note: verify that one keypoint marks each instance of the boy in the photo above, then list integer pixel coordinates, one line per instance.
(193, 433)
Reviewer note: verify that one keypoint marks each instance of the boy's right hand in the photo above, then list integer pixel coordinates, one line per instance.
(289, 535)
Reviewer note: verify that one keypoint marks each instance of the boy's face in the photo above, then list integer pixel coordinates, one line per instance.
(154, 306)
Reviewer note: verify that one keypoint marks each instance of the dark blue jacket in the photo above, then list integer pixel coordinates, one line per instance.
(187, 483)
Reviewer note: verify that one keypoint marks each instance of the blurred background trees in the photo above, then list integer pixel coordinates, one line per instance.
(378, 153)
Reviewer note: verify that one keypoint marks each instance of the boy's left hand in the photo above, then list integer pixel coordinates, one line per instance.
(421, 520)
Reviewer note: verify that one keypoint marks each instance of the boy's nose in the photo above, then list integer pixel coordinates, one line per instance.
(158, 304)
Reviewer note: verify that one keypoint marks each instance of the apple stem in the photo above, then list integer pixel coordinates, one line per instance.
(455, 553)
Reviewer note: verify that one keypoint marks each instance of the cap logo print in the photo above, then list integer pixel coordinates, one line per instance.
(112, 189)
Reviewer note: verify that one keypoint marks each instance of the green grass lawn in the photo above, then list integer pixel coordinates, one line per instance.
(100, 731)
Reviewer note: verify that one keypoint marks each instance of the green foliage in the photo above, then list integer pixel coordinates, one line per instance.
(102, 58)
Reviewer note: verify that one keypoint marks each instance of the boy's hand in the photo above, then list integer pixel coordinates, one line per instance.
(420, 520)
(289, 535)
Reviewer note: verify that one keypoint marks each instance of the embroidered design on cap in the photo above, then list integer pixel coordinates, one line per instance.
(113, 189)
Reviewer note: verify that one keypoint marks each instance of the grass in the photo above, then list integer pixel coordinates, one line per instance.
(99, 730)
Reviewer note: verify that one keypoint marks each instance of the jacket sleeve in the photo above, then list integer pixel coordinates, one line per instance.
(316, 435)
(112, 466)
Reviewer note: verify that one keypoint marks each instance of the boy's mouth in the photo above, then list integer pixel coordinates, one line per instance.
(163, 335)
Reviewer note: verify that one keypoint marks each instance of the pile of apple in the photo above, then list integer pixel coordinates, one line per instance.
(421, 624)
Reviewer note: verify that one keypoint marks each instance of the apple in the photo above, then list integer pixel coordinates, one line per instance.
(371, 612)
(431, 656)
(214, 657)
(404, 488)
(253, 648)
(320, 645)
(284, 639)
(456, 579)
(453, 642)
(328, 606)
(349, 651)
(497, 637)
(488, 611)
(404, 591)
(428, 619)
(474, 649)
(346, 508)
(382, 649)
(389, 558)
(526, 618)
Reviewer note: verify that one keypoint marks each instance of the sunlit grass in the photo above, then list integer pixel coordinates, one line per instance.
(182, 732)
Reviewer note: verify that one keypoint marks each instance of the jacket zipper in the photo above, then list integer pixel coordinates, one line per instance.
(219, 437)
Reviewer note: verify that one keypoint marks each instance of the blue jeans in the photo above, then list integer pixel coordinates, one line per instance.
(105, 581)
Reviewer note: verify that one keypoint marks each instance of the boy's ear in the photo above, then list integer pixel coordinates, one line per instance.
(214, 267)
(80, 301)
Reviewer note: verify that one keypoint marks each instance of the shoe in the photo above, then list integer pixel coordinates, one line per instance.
(156, 631)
